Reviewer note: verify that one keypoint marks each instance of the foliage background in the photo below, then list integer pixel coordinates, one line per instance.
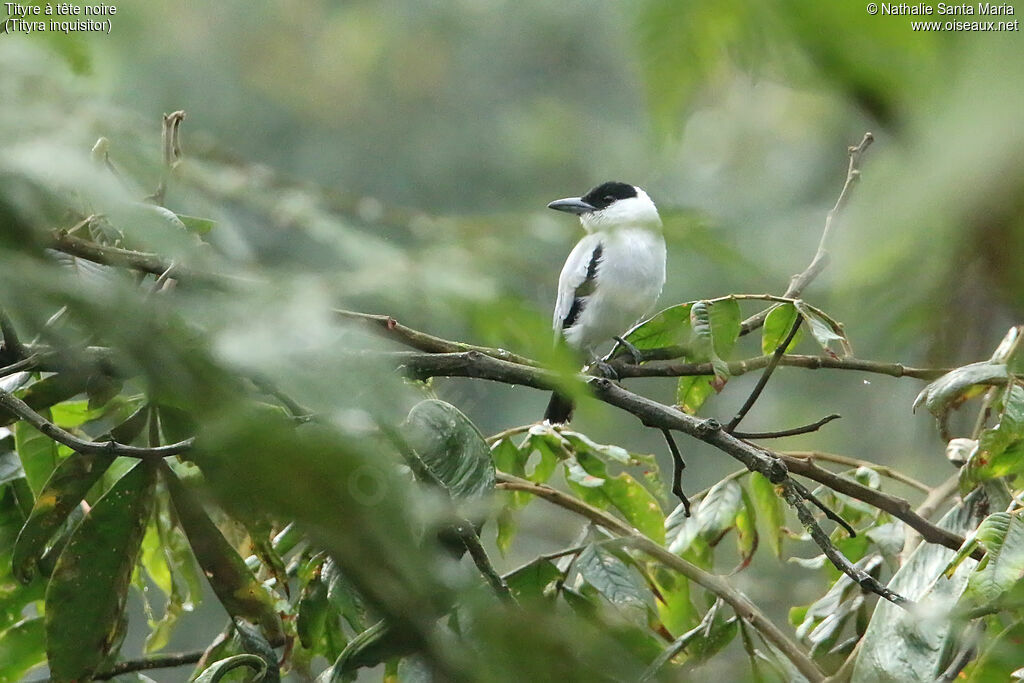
(396, 157)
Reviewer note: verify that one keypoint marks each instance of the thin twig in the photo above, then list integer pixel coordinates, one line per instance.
(678, 465)
(799, 282)
(49, 429)
(743, 607)
(145, 262)
(795, 497)
(762, 381)
(506, 433)
(897, 507)
(795, 431)
(680, 643)
(883, 470)
(152, 662)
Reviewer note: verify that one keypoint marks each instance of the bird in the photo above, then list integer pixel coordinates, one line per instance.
(611, 278)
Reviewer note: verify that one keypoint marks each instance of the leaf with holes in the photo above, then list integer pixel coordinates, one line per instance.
(38, 453)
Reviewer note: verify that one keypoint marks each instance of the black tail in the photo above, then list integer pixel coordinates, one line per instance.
(559, 409)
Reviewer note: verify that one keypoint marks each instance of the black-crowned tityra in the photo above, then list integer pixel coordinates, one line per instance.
(612, 277)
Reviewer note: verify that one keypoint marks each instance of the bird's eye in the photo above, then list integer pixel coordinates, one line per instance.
(608, 198)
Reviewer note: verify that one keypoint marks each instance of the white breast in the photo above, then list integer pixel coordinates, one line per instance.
(629, 281)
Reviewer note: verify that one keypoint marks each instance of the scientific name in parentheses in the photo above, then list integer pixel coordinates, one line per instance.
(920, 9)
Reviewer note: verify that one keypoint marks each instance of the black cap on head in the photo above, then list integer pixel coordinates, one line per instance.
(607, 193)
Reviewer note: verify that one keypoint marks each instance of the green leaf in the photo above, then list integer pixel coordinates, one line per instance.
(770, 511)
(344, 598)
(71, 414)
(216, 671)
(824, 330)
(312, 612)
(64, 490)
(531, 581)
(38, 453)
(1001, 656)
(693, 390)
(199, 226)
(666, 328)
(10, 468)
(616, 581)
(451, 447)
(637, 505)
(953, 387)
(897, 646)
(717, 511)
(675, 609)
(589, 478)
(1002, 535)
(235, 586)
(86, 595)
(1000, 450)
(777, 327)
(22, 647)
(746, 531)
(48, 392)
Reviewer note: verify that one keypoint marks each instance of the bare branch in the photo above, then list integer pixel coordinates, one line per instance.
(897, 507)
(671, 368)
(800, 281)
(795, 431)
(388, 327)
(144, 262)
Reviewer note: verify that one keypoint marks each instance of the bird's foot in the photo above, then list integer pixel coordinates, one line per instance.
(604, 369)
(637, 355)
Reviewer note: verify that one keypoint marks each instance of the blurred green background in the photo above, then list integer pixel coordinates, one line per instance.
(396, 157)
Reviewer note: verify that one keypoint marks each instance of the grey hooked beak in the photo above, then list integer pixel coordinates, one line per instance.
(572, 205)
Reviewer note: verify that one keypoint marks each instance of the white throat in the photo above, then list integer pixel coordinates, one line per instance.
(633, 212)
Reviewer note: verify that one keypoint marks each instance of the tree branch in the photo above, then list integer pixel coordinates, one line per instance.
(799, 282)
(47, 428)
(388, 327)
(152, 662)
(897, 507)
(673, 368)
(743, 607)
(651, 414)
(884, 470)
(144, 262)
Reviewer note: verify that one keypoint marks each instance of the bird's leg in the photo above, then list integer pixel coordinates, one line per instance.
(603, 367)
(638, 357)
(677, 471)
